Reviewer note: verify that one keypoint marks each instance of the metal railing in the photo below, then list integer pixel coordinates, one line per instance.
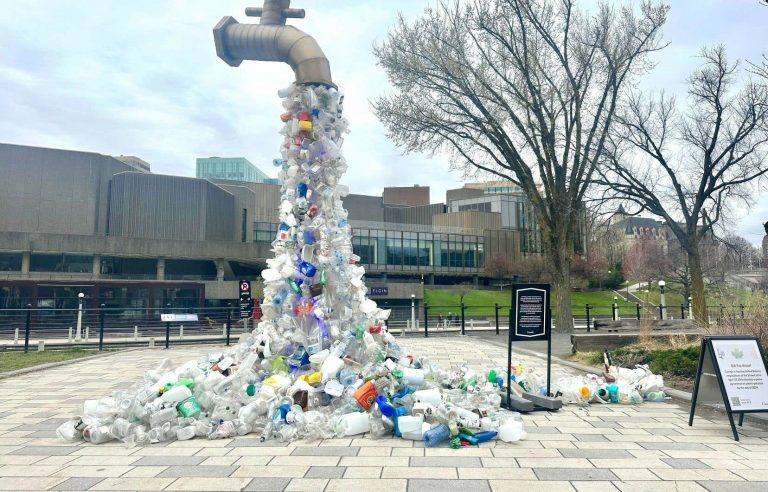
(20, 328)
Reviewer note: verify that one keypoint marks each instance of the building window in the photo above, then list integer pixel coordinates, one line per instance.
(40, 262)
(264, 232)
(10, 262)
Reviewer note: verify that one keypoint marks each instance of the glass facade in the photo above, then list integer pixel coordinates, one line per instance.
(10, 262)
(404, 250)
(231, 168)
(60, 262)
(516, 214)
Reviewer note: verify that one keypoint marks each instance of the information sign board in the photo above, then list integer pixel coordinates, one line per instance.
(245, 299)
(178, 317)
(731, 371)
(530, 312)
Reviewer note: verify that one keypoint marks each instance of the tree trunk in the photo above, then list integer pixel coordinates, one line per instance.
(697, 287)
(562, 286)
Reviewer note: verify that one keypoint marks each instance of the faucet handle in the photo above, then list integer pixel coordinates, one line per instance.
(294, 13)
(286, 13)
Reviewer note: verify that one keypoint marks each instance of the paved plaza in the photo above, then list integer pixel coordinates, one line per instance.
(603, 447)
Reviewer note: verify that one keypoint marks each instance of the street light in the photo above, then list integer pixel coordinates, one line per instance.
(615, 308)
(413, 311)
(662, 306)
(80, 297)
(690, 307)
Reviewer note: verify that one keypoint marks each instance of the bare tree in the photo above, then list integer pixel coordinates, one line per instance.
(645, 260)
(524, 90)
(689, 165)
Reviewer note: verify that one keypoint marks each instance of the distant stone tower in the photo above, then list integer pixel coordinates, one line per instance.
(765, 245)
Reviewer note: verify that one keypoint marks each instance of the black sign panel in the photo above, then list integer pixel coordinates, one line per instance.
(245, 299)
(530, 312)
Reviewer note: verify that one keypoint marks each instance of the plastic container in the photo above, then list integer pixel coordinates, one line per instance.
(331, 366)
(355, 423)
(411, 427)
(436, 435)
(431, 396)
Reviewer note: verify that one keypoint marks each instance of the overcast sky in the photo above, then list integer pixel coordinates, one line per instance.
(142, 78)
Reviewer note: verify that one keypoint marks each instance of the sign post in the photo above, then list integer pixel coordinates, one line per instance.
(530, 319)
(245, 299)
(731, 371)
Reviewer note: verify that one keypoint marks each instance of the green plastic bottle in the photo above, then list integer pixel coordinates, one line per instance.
(189, 407)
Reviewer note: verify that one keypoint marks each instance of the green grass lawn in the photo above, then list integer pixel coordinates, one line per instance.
(715, 295)
(11, 361)
(481, 302)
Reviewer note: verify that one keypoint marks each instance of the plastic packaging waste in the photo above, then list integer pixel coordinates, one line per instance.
(436, 435)
(320, 362)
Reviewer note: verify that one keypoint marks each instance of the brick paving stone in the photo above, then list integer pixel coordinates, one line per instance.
(325, 472)
(326, 451)
(30, 483)
(426, 485)
(198, 471)
(532, 485)
(123, 483)
(442, 473)
(443, 461)
(595, 453)
(169, 461)
(596, 447)
(571, 474)
(204, 484)
(363, 472)
(590, 437)
(670, 486)
(496, 473)
(267, 484)
(593, 486)
(674, 446)
(307, 485)
(77, 483)
(45, 450)
(367, 485)
(684, 463)
(735, 486)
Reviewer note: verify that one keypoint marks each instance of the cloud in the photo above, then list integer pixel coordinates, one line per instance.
(142, 78)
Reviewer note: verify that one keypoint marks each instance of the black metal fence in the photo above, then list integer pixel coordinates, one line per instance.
(19, 328)
(118, 326)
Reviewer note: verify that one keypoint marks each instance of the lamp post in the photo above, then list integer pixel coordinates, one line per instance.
(690, 307)
(78, 332)
(615, 308)
(663, 302)
(413, 311)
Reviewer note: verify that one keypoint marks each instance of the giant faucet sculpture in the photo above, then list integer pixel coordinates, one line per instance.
(272, 40)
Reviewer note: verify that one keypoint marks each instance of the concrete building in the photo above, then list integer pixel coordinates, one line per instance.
(84, 222)
(136, 163)
(232, 169)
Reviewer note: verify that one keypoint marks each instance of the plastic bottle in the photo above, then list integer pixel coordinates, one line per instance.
(97, 434)
(355, 423)
(436, 435)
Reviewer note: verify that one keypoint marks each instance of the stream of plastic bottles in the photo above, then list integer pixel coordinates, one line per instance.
(321, 362)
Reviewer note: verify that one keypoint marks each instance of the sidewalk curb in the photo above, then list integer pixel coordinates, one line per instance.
(756, 418)
(51, 365)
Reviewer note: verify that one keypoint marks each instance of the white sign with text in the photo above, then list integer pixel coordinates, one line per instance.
(743, 374)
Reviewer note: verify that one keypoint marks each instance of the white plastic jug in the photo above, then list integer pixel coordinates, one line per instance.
(410, 427)
(355, 423)
(431, 396)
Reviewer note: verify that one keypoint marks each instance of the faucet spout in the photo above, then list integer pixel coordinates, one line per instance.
(272, 40)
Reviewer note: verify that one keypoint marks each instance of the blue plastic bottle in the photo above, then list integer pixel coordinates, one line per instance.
(436, 435)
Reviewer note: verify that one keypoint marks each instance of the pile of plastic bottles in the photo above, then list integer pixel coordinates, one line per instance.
(321, 362)
(617, 385)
